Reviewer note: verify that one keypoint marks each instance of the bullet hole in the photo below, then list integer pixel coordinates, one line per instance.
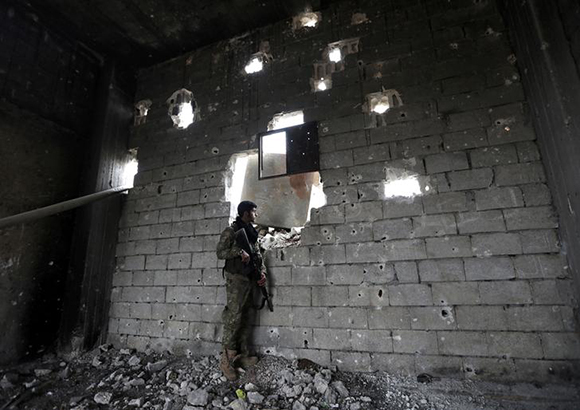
(380, 293)
(205, 196)
(170, 317)
(164, 173)
(443, 301)
(403, 115)
(318, 243)
(325, 231)
(306, 344)
(338, 183)
(271, 330)
(469, 370)
(384, 238)
(328, 238)
(360, 63)
(498, 122)
(282, 255)
(199, 281)
(360, 295)
(381, 267)
(159, 188)
(354, 232)
(364, 271)
(268, 351)
(444, 313)
(352, 205)
(215, 150)
(454, 249)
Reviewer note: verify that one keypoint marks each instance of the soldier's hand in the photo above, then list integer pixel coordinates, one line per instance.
(262, 280)
(245, 256)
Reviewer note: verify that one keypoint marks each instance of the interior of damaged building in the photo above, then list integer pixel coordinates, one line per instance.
(414, 168)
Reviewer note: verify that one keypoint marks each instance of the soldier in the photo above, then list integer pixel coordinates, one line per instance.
(239, 290)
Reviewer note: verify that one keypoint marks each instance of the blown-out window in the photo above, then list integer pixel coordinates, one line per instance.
(289, 151)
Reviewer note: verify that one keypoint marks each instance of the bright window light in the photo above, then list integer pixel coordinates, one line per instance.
(317, 197)
(334, 55)
(382, 106)
(407, 187)
(274, 143)
(285, 120)
(254, 65)
(309, 20)
(185, 116)
(129, 172)
(234, 194)
(321, 85)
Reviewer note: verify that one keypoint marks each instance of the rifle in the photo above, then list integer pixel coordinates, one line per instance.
(253, 268)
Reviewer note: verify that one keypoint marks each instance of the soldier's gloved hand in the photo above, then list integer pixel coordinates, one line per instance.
(245, 256)
(262, 280)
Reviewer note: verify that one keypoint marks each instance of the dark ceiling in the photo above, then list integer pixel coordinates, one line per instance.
(145, 32)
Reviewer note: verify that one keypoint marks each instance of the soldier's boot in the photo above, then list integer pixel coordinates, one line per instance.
(227, 362)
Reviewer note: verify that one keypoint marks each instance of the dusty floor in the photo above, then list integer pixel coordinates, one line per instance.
(112, 379)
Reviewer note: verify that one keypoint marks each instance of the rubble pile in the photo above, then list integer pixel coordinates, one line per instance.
(281, 238)
(107, 378)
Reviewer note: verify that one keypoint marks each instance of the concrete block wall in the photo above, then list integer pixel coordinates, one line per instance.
(466, 279)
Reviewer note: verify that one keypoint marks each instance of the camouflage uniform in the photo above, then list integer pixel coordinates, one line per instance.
(239, 292)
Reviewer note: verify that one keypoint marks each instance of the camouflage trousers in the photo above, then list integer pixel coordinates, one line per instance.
(236, 314)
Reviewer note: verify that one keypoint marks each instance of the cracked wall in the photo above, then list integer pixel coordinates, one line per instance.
(465, 277)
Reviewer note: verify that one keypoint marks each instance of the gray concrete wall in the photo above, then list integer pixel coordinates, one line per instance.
(46, 89)
(467, 279)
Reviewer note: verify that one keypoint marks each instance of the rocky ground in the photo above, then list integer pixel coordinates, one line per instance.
(122, 379)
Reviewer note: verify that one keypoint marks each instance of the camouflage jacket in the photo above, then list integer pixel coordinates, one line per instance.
(228, 249)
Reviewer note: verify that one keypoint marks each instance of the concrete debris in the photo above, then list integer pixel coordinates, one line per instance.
(164, 382)
(103, 397)
(280, 238)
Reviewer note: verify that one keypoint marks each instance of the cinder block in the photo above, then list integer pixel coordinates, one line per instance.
(406, 272)
(392, 229)
(330, 296)
(418, 146)
(535, 318)
(355, 232)
(561, 346)
(176, 329)
(331, 339)
(468, 120)
(472, 179)
(489, 369)
(497, 198)
(146, 247)
(160, 231)
(400, 364)
(463, 140)
(528, 151)
(205, 331)
(441, 270)
(341, 195)
(455, 293)
(404, 250)
(143, 294)
(536, 194)
(170, 245)
(371, 341)
(443, 203)
(546, 371)
(308, 275)
(190, 277)
(414, 341)
(204, 227)
(211, 277)
(194, 212)
(317, 235)
(179, 261)
(519, 174)
(490, 268)
(149, 218)
(446, 162)
(410, 295)
(374, 153)
(139, 233)
(152, 328)
(310, 317)
(331, 214)
(188, 198)
(463, 343)
(156, 262)
(129, 326)
(191, 294)
(364, 211)
(509, 131)
(432, 318)
(185, 228)
(133, 263)
(204, 260)
(439, 366)
(365, 173)
(389, 318)
(505, 293)
(486, 221)
(379, 273)
(359, 296)
(187, 312)
(193, 244)
(490, 156)
(345, 274)
(325, 254)
(481, 318)
(496, 244)
(120, 310)
(351, 362)
(282, 316)
(434, 225)
(336, 159)
(542, 217)
(169, 215)
(295, 337)
(449, 247)
(347, 318)
(165, 278)
(398, 208)
(122, 278)
(334, 177)
(163, 311)
(540, 266)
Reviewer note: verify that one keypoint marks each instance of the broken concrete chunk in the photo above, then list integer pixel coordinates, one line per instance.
(103, 397)
(134, 361)
(157, 366)
(340, 388)
(298, 406)
(238, 404)
(255, 397)
(42, 372)
(198, 397)
(136, 402)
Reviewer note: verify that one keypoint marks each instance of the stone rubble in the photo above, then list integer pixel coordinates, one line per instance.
(131, 380)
